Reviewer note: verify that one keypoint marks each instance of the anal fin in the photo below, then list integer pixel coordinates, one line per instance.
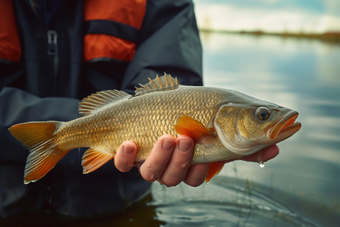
(214, 169)
(93, 159)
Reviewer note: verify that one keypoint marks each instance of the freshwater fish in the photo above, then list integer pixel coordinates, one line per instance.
(224, 124)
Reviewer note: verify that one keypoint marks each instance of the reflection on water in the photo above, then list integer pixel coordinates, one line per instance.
(303, 75)
(220, 204)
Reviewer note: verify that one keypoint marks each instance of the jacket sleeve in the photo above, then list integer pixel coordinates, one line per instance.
(18, 106)
(169, 42)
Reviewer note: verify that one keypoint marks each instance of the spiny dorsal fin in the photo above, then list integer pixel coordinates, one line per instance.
(100, 99)
(163, 83)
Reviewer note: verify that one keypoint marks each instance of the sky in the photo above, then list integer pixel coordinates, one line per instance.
(308, 16)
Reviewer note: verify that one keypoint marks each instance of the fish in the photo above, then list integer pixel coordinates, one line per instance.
(224, 125)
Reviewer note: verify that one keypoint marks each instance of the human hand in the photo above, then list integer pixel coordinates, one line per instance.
(169, 161)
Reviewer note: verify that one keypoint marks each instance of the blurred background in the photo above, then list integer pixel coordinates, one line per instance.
(286, 52)
(272, 16)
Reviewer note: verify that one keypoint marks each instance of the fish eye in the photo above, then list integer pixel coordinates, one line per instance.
(262, 113)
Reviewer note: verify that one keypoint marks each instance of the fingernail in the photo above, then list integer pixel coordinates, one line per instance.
(168, 144)
(127, 149)
(184, 145)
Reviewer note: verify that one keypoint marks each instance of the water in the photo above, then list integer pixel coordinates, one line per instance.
(220, 204)
(261, 164)
(259, 161)
(301, 186)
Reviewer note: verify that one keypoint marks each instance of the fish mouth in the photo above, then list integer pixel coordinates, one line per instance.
(285, 127)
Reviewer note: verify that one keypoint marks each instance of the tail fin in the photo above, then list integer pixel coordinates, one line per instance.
(38, 137)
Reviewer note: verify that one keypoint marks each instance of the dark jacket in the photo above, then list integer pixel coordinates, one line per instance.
(55, 70)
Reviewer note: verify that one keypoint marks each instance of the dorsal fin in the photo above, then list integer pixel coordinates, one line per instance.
(163, 83)
(100, 99)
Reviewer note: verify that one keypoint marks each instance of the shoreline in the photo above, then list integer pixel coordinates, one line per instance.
(333, 37)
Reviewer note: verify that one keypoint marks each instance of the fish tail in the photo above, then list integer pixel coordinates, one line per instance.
(39, 138)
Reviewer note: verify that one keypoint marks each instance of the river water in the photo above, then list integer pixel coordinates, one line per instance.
(301, 186)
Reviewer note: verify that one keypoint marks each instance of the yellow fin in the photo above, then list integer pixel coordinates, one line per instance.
(38, 137)
(93, 159)
(190, 127)
(163, 83)
(100, 99)
(214, 169)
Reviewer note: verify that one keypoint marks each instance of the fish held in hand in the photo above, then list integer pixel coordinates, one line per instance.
(224, 124)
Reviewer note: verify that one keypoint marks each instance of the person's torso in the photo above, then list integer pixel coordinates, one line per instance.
(83, 46)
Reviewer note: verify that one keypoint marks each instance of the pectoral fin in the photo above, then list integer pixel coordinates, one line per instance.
(214, 169)
(190, 127)
(93, 159)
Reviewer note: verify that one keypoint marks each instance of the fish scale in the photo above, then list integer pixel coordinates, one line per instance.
(141, 119)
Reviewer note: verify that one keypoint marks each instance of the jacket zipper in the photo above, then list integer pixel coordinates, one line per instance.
(52, 49)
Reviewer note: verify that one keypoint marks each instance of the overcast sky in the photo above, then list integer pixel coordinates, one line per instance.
(315, 16)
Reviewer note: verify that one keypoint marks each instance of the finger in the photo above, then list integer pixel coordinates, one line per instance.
(263, 155)
(125, 156)
(179, 162)
(161, 153)
(266, 154)
(196, 174)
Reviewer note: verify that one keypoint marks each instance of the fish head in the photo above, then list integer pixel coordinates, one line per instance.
(247, 128)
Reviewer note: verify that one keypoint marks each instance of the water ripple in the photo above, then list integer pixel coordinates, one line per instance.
(220, 205)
